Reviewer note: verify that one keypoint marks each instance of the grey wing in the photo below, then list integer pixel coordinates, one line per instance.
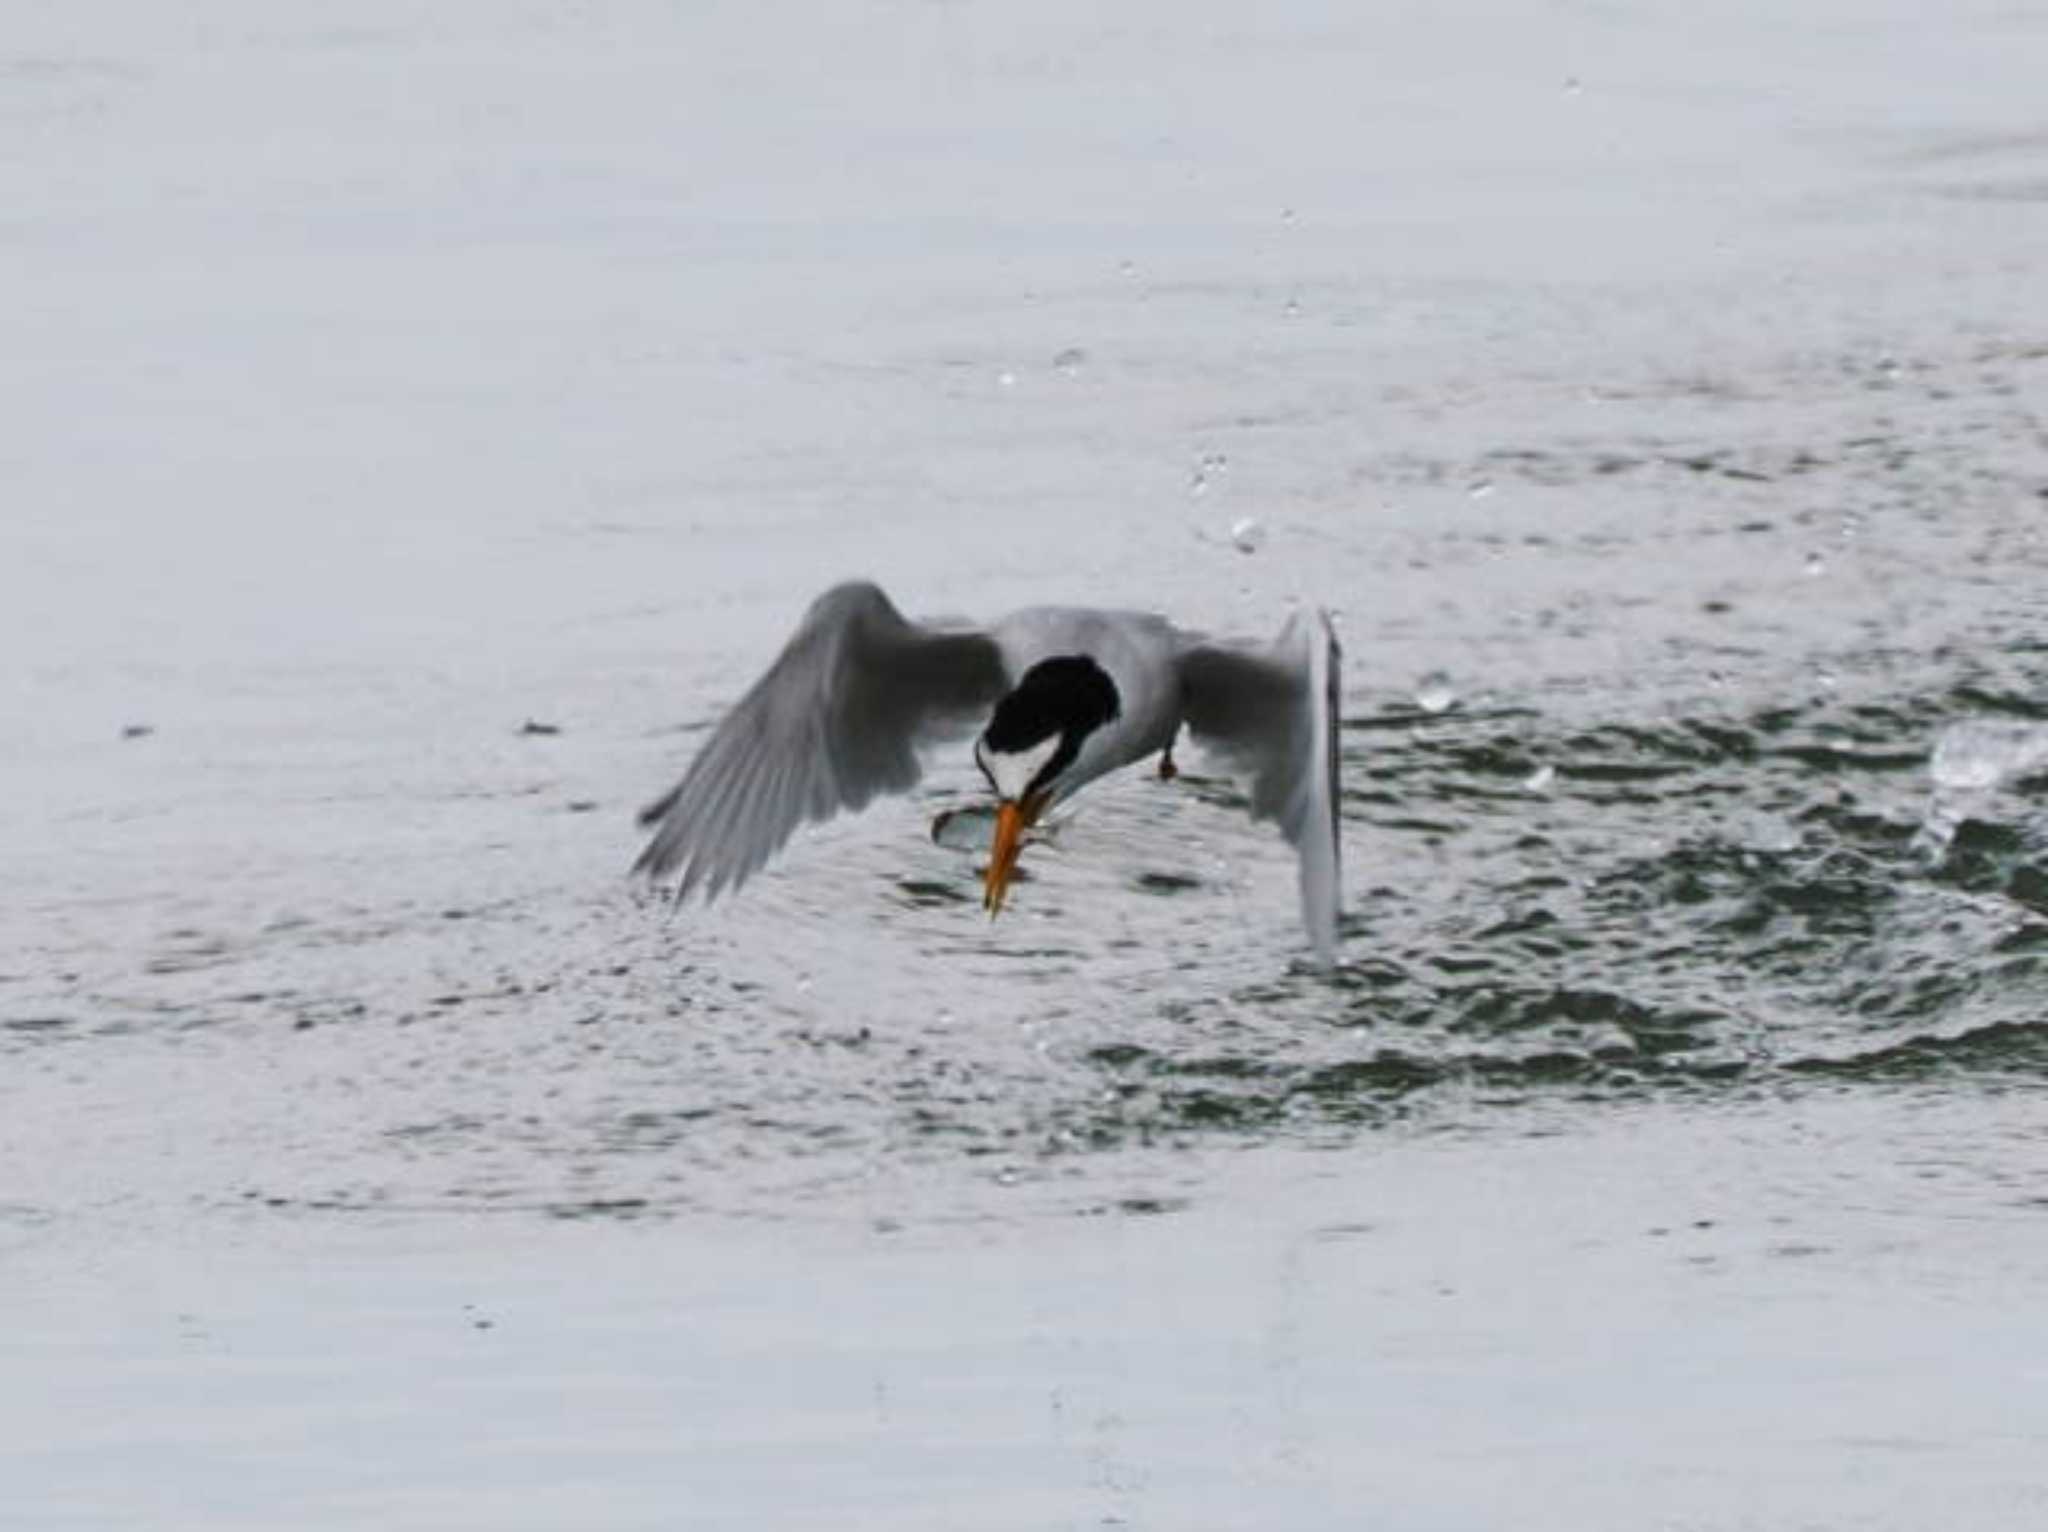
(1274, 714)
(835, 722)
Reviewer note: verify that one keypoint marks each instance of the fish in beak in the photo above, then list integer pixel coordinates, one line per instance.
(1012, 820)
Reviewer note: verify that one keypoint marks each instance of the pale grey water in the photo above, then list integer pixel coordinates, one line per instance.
(1658, 401)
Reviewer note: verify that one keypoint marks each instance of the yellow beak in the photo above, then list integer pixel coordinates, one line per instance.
(1012, 820)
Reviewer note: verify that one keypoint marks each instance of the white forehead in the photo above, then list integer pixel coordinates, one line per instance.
(1011, 771)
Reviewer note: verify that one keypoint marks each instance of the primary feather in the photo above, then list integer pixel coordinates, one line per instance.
(836, 721)
(1273, 714)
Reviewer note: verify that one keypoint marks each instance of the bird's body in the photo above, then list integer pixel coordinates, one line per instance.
(1065, 694)
(1136, 649)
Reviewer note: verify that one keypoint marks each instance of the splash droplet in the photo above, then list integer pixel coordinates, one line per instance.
(1247, 535)
(1435, 694)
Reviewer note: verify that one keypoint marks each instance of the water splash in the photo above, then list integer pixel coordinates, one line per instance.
(1970, 762)
(1980, 753)
(1434, 693)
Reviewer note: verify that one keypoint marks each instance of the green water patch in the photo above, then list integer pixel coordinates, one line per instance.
(1689, 905)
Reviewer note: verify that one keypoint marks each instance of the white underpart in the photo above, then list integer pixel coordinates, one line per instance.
(1012, 772)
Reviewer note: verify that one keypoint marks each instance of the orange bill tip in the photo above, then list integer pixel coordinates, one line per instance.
(1012, 820)
(1002, 857)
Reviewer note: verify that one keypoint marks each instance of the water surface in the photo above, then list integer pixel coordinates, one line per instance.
(397, 493)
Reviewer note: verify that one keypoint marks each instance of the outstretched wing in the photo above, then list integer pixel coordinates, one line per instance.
(835, 721)
(1273, 713)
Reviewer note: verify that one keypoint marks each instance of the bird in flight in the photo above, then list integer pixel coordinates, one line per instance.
(1062, 695)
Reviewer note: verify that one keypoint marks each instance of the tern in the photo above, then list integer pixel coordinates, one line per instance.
(1063, 695)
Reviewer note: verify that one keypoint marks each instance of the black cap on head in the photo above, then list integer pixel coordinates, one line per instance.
(1068, 694)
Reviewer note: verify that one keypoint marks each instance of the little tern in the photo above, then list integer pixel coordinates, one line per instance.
(1068, 694)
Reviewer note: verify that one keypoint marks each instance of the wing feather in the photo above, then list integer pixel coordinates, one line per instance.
(1274, 714)
(835, 722)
